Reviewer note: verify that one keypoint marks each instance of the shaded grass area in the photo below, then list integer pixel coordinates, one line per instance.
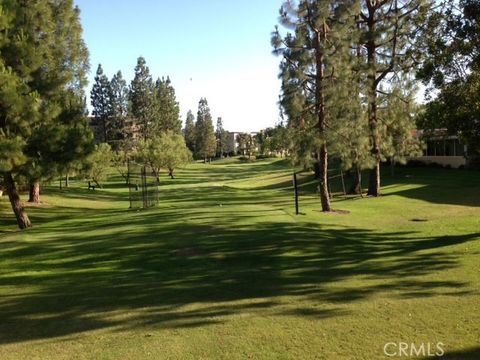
(222, 268)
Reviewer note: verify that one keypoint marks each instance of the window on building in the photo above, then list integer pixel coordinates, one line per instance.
(450, 147)
(430, 148)
(459, 148)
(440, 148)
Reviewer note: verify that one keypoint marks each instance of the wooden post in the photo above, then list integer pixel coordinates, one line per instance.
(295, 188)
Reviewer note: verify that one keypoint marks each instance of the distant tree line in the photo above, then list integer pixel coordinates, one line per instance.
(269, 142)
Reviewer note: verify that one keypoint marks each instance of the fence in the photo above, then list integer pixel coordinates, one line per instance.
(143, 186)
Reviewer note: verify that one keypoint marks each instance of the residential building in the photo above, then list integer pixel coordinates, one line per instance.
(442, 149)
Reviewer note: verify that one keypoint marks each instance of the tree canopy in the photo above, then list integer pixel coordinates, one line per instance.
(42, 107)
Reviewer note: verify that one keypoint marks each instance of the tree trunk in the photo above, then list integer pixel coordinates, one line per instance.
(323, 184)
(316, 169)
(374, 181)
(34, 193)
(104, 122)
(320, 109)
(356, 188)
(67, 181)
(22, 218)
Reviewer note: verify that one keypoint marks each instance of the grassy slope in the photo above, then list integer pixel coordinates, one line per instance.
(224, 269)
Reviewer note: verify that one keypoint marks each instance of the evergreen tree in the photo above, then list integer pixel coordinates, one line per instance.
(221, 136)
(387, 30)
(189, 131)
(119, 107)
(42, 122)
(142, 99)
(205, 143)
(168, 110)
(398, 113)
(349, 139)
(101, 100)
(309, 74)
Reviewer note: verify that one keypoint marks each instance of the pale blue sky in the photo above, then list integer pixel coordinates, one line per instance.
(218, 49)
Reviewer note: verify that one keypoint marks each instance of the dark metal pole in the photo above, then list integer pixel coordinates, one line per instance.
(295, 187)
(144, 187)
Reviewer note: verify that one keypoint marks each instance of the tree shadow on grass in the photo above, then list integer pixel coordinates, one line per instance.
(439, 186)
(150, 269)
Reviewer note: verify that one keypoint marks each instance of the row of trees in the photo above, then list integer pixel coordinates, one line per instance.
(43, 66)
(145, 109)
(267, 142)
(139, 122)
(200, 135)
(347, 74)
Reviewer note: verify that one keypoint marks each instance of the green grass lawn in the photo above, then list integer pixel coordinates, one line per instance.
(224, 269)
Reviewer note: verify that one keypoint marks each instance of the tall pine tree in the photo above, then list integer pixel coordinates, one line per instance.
(387, 30)
(101, 100)
(119, 108)
(42, 107)
(221, 136)
(205, 143)
(168, 110)
(189, 131)
(142, 99)
(309, 74)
